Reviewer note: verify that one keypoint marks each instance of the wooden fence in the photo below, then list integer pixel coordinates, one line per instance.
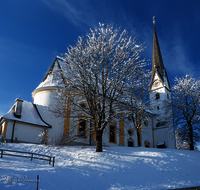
(29, 155)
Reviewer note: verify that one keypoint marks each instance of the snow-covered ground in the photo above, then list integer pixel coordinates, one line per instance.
(115, 168)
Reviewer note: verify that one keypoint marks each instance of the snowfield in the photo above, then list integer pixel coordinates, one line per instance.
(116, 168)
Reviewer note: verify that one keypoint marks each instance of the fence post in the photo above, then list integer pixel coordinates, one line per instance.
(1, 153)
(31, 156)
(53, 161)
(37, 181)
(49, 160)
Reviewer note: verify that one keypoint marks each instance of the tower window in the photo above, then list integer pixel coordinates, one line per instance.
(158, 108)
(167, 96)
(157, 96)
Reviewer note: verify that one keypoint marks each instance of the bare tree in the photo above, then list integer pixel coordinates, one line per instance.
(186, 99)
(99, 69)
(138, 103)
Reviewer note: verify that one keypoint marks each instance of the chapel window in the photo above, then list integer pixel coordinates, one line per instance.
(112, 134)
(82, 127)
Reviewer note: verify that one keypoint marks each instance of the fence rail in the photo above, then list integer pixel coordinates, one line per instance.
(30, 155)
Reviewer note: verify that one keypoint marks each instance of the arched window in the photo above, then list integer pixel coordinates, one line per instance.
(112, 132)
(82, 123)
(161, 124)
(146, 123)
(83, 105)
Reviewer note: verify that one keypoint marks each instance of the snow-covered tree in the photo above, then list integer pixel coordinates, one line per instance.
(186, 100)
(100, 69)
(180, 143)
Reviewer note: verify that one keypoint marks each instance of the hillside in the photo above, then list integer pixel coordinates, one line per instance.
(116, 168)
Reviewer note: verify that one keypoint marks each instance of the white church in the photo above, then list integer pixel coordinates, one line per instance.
(34, 123)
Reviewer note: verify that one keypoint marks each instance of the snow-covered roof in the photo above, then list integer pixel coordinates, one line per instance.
(53, 77)
(29, 114)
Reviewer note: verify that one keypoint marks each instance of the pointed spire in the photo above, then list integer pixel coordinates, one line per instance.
(157, 62)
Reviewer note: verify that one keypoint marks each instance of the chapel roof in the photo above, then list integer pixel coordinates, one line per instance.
(54, 76)
(25, 112)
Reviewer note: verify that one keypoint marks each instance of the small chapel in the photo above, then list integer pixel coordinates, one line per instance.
(34, 123)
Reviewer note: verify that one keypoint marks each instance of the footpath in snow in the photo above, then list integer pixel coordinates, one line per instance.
(116, 168)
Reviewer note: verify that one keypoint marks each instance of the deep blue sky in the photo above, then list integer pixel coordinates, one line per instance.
(34, 32)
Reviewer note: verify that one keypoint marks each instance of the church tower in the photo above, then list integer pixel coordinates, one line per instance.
(160, 99)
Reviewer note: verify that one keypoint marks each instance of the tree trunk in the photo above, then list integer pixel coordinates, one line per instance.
(138, 137)
(191, 138)
(99, 141)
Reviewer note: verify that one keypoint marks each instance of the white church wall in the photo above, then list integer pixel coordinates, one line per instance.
(45, 97)
(127, 126)
(27, 133)
(57, 123)
(161, 135)
(147, 133)
(23, 132)
(9, 130)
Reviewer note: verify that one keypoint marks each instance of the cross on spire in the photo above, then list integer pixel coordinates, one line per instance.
(154, 20)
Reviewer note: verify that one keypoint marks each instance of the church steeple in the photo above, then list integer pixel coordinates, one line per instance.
(157, 61)
(160, 99)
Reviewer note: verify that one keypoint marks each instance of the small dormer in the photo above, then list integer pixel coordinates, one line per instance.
(18, 108)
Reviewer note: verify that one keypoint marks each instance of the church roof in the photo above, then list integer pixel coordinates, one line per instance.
(25, 112)
(157, 61)
(54, 76)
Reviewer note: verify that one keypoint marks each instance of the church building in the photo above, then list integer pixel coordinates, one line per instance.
(36, 123)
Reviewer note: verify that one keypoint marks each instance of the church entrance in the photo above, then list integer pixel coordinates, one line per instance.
(130, 142)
